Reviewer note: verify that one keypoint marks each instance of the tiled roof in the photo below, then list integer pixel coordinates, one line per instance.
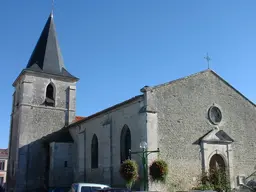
(78, 118)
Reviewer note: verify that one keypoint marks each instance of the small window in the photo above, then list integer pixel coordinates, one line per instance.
(49, 100)
(1, 181)
(2, 163)
(65, 164)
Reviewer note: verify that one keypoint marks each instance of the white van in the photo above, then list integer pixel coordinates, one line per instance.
(87, 187)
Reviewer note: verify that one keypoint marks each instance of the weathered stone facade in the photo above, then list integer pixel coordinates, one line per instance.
(182, 119)
(61, 165)
(174, 117)
(107, 127)
(44, 102)
(32, 121)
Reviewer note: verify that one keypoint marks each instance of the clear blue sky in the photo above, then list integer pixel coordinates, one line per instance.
(116, 47)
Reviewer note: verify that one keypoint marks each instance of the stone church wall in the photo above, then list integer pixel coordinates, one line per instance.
(108, 127)
(36, 121)
(13, 149)
(182, 108)
(61, 165)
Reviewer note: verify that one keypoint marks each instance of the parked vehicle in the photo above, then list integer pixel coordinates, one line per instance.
(87, 187)
(114, 190)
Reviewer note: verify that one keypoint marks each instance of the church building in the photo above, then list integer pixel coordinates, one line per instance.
(197, 122)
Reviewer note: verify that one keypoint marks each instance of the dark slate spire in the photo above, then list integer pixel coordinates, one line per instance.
(46, 56)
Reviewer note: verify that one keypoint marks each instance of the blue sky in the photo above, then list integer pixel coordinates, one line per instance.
(116, 47)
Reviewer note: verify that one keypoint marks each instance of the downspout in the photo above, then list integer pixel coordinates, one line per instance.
(111, 153)
(84, 155)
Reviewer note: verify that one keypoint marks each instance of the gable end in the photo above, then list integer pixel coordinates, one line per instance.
(199, 73)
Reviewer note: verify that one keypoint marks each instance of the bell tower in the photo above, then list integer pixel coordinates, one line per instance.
(44, 101)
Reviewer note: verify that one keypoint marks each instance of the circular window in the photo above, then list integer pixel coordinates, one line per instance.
(215, 115)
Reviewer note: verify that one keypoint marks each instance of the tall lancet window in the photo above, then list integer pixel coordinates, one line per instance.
(125, 143)
(49, 99)
(94, 152)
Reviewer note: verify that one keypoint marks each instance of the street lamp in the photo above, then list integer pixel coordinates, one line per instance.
(143, 145)
(145, 153)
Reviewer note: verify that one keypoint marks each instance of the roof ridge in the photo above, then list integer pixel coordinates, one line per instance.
(179, 79)
(198, 73)
(128, 101)
(231, 86)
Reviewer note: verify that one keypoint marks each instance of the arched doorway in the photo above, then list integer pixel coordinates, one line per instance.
(218, 172)
(217, 163)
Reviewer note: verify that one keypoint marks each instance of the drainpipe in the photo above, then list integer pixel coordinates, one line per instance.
(111, 154)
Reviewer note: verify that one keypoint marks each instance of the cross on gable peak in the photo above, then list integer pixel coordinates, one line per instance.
(208, 59)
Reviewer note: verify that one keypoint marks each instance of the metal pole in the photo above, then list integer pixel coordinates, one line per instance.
(144, 169)
(144, 156)
(146, 165)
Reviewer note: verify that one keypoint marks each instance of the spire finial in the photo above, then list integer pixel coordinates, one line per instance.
(208, 59)
(52, 8)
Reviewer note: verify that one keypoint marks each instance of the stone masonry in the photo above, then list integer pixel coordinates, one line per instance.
(36, 121)
(107, 126)
(44, 102)
(182, 119)
(174, 117)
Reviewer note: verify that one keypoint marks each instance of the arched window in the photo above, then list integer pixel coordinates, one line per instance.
(125, 143)
(94, 152)
(49, 99)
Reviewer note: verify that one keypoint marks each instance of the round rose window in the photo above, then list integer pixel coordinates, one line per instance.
(215, 115)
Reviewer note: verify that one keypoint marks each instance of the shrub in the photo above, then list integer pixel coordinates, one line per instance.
(158, 171)
(215, 180)
(129, 172)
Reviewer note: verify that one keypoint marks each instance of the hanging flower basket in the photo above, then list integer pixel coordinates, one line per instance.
(158, 171)
(129, 172)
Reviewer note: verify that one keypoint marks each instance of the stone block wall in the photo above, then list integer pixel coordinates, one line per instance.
(182, 113)
(61, 165)
(107, 127)
(32, 120)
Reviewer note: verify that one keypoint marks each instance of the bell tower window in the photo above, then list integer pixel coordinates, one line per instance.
(49, 99)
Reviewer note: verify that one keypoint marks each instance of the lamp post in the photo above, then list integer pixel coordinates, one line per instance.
(144, 154)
